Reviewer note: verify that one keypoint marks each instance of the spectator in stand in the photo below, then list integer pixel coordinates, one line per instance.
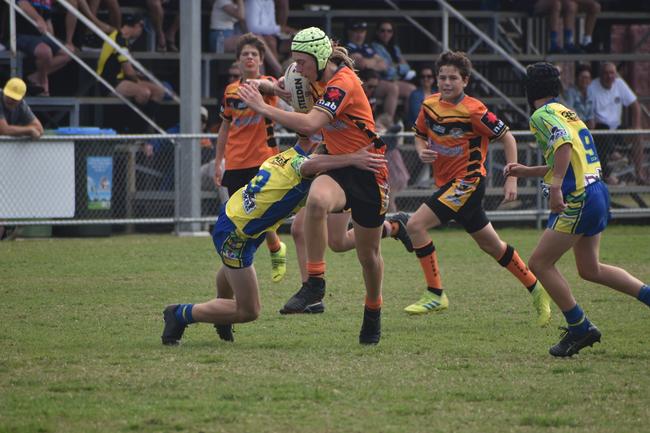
(399, 71)
(114, 12)
(90, 41)
(611, 94)
(16, 118)
(564, 12)
(165, 40)
(118, 71)
(425, 89)
(577, 96)
(227, 23)
(71, 21)
(261, 20)
(48, 57)
(591, 8)
(365, 57)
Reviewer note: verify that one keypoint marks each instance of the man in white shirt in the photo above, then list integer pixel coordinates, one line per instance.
(610, 95)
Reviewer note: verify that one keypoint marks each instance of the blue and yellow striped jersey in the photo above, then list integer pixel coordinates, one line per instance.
(553, 124)
(277, 192)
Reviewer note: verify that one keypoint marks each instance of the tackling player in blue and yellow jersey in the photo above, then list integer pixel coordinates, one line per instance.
(579, 202)
(277, 191)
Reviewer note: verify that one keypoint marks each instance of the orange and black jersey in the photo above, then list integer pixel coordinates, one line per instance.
(251, 139)
(460, 134)
(352, 126)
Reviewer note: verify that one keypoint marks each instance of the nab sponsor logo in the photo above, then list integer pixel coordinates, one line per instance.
(332, 99)
(495, 125)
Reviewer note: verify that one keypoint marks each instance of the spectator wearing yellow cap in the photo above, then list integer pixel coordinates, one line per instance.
(16, 118)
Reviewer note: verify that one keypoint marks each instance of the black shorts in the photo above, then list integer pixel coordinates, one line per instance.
(461, 200)
(235, 179)
(365, 195)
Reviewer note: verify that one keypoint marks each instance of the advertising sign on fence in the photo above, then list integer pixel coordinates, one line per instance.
(99, 170)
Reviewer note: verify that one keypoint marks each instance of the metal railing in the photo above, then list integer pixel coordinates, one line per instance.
(133, 179)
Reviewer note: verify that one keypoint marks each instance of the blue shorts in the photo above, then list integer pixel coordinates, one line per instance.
(235, 251)
(586, 214)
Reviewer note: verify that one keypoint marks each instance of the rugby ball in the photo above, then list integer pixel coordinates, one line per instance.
(300, 89)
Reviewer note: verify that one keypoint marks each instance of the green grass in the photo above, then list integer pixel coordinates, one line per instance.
(81, 352)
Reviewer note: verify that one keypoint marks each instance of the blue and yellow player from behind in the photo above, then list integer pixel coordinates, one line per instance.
(277, 191)
(579, 203)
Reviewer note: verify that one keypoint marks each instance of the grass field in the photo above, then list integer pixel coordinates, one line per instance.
(81, 323)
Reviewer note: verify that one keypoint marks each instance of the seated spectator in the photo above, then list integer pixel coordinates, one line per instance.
(165, 40)
(16, 119)
(71, 21)
(48, 57)
(577, 96)
(564, 11)
(399, 71)
(261, 21)
(118, 71)
(92, 42)
(114, 12)
(591, 9)
(610, 94)
(425, 89)
(227, 23)
(365, 57)
(234, 73)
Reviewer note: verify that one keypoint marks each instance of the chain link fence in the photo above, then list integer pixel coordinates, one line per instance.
(107, 180)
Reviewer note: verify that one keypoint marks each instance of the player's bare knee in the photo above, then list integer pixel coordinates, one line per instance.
(589, 273)
(337, 245)
(415, 227)
(249, 314)
(370, 259)
(297, 232)
(316, 206)
(535, 265)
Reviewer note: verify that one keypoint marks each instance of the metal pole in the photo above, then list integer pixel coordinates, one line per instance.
(12, 36)
(445, 30)
(188, 190)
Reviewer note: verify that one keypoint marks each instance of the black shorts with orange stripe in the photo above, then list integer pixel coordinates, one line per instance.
(461, 200)
(365, 195)
(235, 179)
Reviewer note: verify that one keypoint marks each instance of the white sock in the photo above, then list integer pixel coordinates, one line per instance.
(586, 40)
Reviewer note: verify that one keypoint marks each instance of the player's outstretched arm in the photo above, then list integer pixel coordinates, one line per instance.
(362, 159)
(516, 169)
(305, 124)
(510, 149)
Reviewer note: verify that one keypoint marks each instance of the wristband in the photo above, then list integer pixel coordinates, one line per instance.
(557, 181)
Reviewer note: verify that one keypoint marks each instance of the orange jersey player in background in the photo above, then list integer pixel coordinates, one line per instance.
(452, 133)
(246, 139)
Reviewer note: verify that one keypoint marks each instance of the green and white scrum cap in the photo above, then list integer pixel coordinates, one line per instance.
(313, 41)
